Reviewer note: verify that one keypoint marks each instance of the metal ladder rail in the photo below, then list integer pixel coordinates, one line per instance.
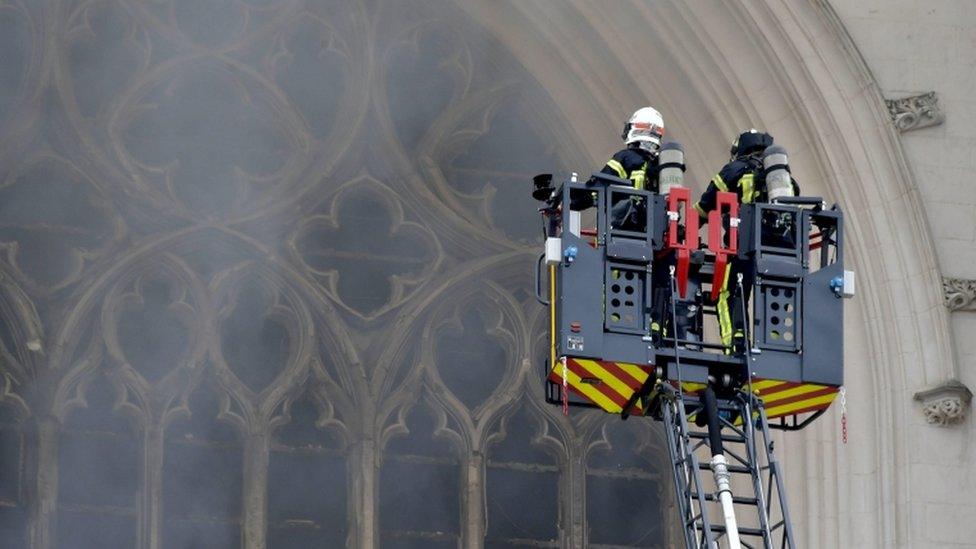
(775, 476)
(686, 473)
(758, 461)
(773, 473)
(756, 468)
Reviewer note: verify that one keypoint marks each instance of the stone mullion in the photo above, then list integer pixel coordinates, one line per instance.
(473, 509)
(255, 505)
(151, 508)
(43, 485)
(364, 469)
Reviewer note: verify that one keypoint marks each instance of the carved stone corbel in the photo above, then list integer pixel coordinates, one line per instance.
(917, 111)
(946, 404)
(960, 294)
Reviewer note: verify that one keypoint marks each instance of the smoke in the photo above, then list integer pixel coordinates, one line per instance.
(203, 178)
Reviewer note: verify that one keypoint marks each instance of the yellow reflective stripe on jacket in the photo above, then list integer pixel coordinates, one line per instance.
(617, 167)
(720, 183)
(747, 187)
(638, 176)
(701, 210)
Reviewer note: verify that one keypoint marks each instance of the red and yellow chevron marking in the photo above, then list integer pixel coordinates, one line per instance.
(609, 385)
(785, 398)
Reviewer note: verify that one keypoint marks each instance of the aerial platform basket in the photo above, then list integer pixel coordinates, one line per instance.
(608, 288)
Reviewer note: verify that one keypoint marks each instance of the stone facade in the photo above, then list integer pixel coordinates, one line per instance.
(913, 47)
(239, 295)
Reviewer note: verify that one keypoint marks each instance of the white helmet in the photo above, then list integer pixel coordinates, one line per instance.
(646, 128)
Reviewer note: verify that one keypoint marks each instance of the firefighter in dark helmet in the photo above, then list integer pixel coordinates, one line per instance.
(744, 176)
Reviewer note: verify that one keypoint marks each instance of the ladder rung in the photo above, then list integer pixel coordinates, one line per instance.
(743, 530)
(732, 468)
(725, 438)
(738, 500)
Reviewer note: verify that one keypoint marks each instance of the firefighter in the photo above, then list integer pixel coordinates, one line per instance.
(744, 176)
(638, 162)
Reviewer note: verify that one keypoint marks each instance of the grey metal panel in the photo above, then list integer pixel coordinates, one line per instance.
(779, 266)
(823, 328)
(634, 250)
(771, 364)
(626, 348)
(626, 288)
(689, 372)
(776, 314)
(580, 289)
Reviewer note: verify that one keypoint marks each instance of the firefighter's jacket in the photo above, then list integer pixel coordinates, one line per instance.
(636, 164)
(743, 176)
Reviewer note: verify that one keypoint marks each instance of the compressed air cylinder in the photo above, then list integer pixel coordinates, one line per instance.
(779, 183)
(672, 167)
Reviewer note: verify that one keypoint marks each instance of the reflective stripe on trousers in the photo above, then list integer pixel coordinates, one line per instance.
(724, 316)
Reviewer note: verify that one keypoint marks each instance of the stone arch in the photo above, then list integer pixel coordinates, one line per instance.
(793, 69)
(712, 67)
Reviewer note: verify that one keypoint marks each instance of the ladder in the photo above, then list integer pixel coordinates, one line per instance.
(748, 450)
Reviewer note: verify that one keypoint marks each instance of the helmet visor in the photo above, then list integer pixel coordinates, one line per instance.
(645, 130)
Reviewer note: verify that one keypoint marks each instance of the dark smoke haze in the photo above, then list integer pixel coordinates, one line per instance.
(266, 277)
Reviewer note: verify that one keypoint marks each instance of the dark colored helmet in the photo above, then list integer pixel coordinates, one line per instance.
(750, 141)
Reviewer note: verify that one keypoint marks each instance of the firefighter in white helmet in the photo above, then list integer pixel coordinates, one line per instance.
(638, 162)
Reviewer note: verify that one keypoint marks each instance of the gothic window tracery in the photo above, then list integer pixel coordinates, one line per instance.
(99, 455)
(202, 475)
(523, 481)
(624, 467)
(474, 341)
(307, 494)
(47, 243)
(365, 249)
(420, 481)
(280, 250)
